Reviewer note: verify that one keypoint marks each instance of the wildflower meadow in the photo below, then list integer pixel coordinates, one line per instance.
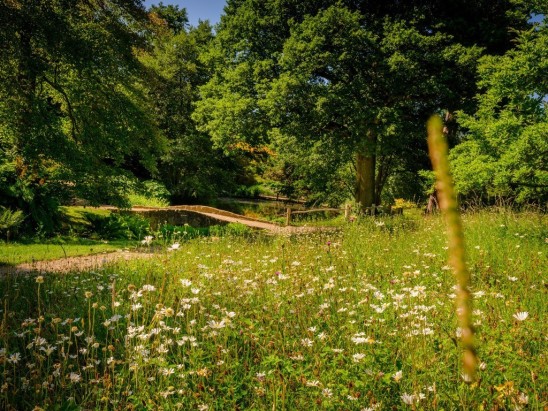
(360, 317)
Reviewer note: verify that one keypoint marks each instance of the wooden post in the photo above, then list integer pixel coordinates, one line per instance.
(347, 212)
(288, 216)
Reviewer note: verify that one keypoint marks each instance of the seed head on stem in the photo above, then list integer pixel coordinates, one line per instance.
(437, 146)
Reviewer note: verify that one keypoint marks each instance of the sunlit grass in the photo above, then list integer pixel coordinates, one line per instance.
(139, 200)
(354, 319)
(17, 253)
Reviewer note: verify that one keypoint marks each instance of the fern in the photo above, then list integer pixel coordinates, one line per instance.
(10, 220)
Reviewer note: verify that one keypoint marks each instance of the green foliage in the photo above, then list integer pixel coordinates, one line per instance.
(329, 80)
(230, 229)
(169, 234)
(405, 184)
(149, 193)
(74, 110)
(321, 99)
(428, 181)
(404, 204)
(75, 217)
(353, 89)
(505, 152)
(191, 168)
(118, 226)
(103, 224)
(136, 199)
(247, 191)
(10, 221)
(174, 18)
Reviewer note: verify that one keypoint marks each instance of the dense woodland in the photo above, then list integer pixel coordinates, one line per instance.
(324, 100)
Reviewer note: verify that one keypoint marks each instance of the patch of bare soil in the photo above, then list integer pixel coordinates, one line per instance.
(73, 264)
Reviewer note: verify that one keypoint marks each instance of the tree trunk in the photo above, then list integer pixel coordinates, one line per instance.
(365, 173)
(384, 165)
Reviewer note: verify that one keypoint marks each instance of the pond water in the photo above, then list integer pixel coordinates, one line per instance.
(262, 209)
(271, 210)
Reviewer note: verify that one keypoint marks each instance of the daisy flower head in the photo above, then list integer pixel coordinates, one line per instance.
(147, 240)
(74, 377)
(521, 316)
(358, 357)
(407, 398)
(174, 246)
(326, 392)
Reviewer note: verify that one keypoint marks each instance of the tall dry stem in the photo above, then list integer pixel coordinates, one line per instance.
(437, 146)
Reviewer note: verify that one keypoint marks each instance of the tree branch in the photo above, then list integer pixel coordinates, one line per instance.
(529, 185)
(56, 87)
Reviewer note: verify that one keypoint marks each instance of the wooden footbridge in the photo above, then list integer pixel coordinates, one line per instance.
(205, 216)
(201, 216)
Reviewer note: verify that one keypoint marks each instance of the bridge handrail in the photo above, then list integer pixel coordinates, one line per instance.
(318, 210)
(212, 210)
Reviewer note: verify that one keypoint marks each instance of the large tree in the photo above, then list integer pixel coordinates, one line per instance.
(356, 79)
(73, 112)
(505, 151)
(363, 93)
(190, 168)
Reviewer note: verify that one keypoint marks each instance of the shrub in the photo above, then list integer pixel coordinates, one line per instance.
(149, 194)
(235, 229)
(405, 204)
(118, 226)
(10, 221)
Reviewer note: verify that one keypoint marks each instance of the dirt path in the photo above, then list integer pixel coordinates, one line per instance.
(78, 263)
(90, 262)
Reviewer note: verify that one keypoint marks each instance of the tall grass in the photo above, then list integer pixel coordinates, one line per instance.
(439, 154)
(356, 319)
(140, 200)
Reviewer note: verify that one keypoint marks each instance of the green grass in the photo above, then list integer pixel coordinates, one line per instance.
(77, 216)
(17, 253)
(75, 221)
(137, 200)
(361, 318)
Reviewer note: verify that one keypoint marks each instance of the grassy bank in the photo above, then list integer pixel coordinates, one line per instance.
(17, 253)
(362, 318)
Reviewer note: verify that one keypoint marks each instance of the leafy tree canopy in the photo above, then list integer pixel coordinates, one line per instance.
(174, 18)
(505, 152)
(357, 78)
(73, 111)
(191, 168)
